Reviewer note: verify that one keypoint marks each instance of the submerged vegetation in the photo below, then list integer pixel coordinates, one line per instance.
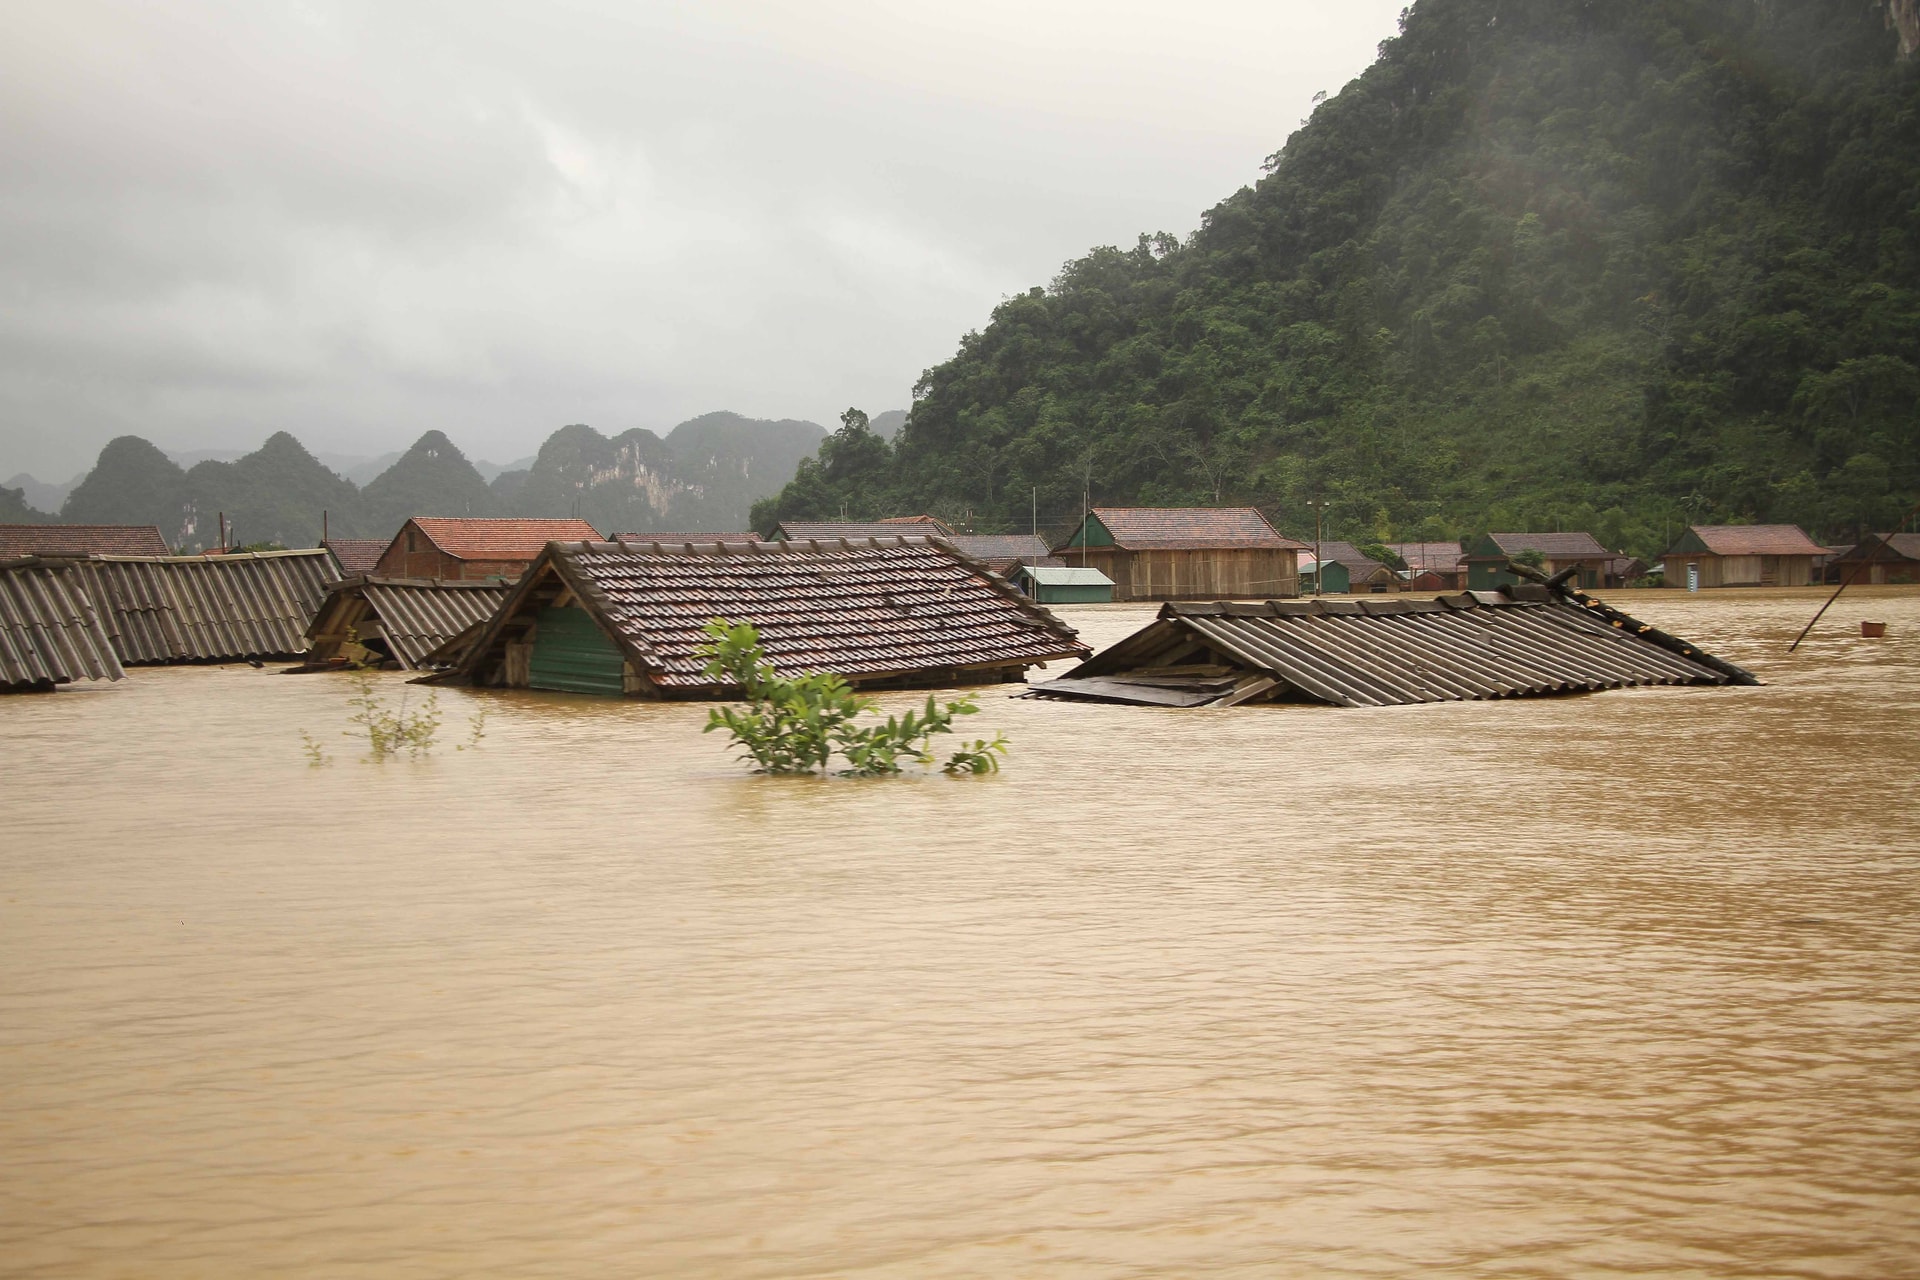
(1546, 264)
(798, 724)
(391, 729)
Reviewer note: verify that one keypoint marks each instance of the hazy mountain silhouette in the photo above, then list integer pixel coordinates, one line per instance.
(433, 478)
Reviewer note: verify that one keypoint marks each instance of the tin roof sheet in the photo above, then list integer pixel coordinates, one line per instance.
(50, 632)
(1048, 575)
(416, 615)
(209, 608)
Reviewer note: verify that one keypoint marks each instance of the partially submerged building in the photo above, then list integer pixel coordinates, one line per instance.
(50, 632)
(1186, 553)
(891, 527)
(627, 618)
(1005, 552)
(1525, 641)
(216, 608)
(403, 621)
(1063, 584)
(1343, 568)
(1488, 556)
(1431, 566)
(467, 549)
(1879, 559)
(1742, 555)
(18, 540)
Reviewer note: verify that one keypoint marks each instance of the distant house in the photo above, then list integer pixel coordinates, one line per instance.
(1186, 553)
(1344, 568)
(892, 527)
(466, 549)
(627, 618)
(1004, 552)
(81, 540)
(356, 556)
(1742, 555)
(1487, 558)
(1622, 570)
(1063, 584)
(1881, 558)
(50, 632)
(1432, 566)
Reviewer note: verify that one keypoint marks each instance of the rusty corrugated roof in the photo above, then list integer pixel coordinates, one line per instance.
(81, 540)
(476, 538)
(243, 604)
(869, 610)
(50, 632)
(1190, 528)
(1475, 645)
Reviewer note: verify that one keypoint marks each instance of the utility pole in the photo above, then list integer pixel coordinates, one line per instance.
(1036, 511)
(1319, 565)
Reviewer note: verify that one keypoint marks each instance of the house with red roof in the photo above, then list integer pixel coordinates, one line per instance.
(1186, 553)
(466, 548)
(1742, 555)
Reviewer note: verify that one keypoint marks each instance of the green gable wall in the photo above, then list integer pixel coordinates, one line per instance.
(572, 653)
(1091, 534)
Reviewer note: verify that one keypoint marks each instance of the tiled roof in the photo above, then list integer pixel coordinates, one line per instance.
(81, 540)
(50, 632)
(1001, 551)
(1554, 546)
(800, 530)
(1883, 547)
(1190, 528)
(471, 538)
(1443, 557)
(357, 555)
(903, 607)
(687, 537)
(1904, 544)
(1756, 540)
(1349, 555)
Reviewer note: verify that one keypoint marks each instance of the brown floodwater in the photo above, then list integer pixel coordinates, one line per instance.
(1626, 984)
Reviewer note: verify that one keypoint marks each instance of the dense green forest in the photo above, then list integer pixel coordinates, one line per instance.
(702, 477)
(1547, 264)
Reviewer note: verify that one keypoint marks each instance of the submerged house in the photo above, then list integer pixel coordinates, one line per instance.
(398, 620)
(466, 549)
(1063, 584)
(891, 527)
(1525, 641)
(1343, 567)
(1186, 553)
(1004, 553)
(1879, 559)
(627, 618)
(18, 540)
(1742, 555)
(216, 608)
(1488, 556)
(50, 632)
(1431, 566)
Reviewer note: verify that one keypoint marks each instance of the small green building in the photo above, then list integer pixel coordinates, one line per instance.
(1061, 584)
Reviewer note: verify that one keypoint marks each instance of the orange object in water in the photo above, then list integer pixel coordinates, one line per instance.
(1873, 630)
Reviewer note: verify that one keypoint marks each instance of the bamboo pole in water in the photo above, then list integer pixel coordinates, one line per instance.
(1847, 580)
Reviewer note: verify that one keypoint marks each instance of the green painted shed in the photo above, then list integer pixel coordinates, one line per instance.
(1063, 584)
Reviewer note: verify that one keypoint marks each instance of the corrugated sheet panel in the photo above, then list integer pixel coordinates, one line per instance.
(418, 618)
(49, 630)
(210, 608)
(571, 653)
(1389, 653)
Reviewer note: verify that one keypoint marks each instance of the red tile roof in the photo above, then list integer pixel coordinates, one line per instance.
(81, 540)
(1757, 540)
(1190, 528)
(470, 538)
(1554, 546)
(356, 555)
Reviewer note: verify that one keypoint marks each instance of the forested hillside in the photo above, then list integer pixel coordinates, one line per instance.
(1547, 264)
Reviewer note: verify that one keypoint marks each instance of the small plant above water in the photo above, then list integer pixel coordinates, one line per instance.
(799, 724)
(391, 730)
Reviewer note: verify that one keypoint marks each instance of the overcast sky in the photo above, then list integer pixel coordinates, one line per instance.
(360, 221)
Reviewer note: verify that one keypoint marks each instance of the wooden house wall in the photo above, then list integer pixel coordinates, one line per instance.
(1260, 573)
(1741, 571)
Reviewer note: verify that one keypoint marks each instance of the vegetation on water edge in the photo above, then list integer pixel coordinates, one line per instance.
(798, 724)
(391, 730)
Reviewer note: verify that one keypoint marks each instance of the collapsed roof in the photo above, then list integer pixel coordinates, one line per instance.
(1528, 640)
(406, 618)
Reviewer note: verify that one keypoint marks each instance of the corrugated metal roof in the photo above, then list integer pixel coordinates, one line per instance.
(209, 608)
(1386, 653)
(896, 606)
(50, 632)
(81, 540)
(1755, 540)
(1063, 576)
(415, 616)
(1190, 528)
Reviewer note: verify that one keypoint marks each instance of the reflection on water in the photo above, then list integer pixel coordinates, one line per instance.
(1622, 984)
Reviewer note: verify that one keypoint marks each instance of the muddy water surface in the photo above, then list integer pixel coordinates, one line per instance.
(1616, 985)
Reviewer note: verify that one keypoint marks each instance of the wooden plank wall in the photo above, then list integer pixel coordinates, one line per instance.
(1238, 574)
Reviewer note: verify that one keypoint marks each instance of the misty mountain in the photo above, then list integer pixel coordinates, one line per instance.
(275, 494)
(39, 494)
(360, 471)
(14, 508)
(887, 425)
(1547, 264)
(132, 483)
(431, 478)
(726, 463)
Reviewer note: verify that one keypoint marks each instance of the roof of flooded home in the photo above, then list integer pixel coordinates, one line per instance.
(890, 606)
(1442, 557)
(1482, 644)
(1190, 528)
(50, 632)
(1001, 548)
(1554, 546)
(81, 540)
(1059, 575)
(685, 537)
(413, 617)
(476, 538)
(357, 555)
(244, 604)
(1747, 540)
(892, 527)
